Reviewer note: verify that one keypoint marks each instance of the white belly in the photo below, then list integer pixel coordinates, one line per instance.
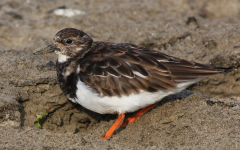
(112, 105)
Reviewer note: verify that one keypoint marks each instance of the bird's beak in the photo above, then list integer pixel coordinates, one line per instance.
(49, 49)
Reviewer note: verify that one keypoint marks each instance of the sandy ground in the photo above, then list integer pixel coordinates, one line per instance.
(206, 116)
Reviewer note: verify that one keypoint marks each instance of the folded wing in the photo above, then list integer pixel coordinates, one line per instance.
(124, 69)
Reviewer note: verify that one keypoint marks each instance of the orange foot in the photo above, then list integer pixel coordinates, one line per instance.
(137, 115)
(117, 123)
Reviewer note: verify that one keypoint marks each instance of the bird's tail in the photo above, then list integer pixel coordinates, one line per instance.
(227, 69)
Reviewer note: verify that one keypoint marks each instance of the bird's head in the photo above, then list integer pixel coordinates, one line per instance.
(68, 43)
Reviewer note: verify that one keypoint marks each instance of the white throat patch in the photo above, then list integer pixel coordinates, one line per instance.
(61, 58)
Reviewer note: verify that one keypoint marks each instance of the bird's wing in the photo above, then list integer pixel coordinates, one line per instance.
(125, 69)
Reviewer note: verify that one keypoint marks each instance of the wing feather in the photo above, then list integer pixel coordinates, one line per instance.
(125, 69)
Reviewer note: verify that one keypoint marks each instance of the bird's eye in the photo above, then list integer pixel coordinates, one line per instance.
(69, 41)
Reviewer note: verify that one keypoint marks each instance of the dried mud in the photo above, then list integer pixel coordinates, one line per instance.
(200, 31)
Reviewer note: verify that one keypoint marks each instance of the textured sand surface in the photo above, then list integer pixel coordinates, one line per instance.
(206, 116)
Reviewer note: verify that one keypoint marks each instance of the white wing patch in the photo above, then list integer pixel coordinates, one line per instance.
(139, 74)
(162, 60)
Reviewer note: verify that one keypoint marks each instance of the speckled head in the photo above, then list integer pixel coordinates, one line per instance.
(68, 43)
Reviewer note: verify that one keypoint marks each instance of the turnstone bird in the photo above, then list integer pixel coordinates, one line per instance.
(110, 78)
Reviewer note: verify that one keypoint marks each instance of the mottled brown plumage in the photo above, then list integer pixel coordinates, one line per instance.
(110, 68)
(117, 78)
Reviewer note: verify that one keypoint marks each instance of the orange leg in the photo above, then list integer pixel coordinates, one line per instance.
(136, 115)
(117, 123)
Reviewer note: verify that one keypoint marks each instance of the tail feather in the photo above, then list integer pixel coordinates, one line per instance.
(227, 69)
